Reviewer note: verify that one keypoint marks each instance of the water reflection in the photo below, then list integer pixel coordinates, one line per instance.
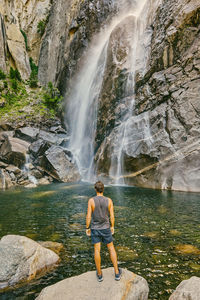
(157, 233)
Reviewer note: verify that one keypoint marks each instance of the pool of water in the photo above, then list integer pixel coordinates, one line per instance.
(157, 233)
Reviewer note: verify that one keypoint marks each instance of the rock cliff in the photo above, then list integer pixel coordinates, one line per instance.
(160, 142)
(147, 127)
(19, 33)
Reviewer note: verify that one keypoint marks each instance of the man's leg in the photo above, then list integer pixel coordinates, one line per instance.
(97, 257)
(113, 256)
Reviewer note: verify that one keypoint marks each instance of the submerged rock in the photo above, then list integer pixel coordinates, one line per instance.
(86, 286)
(187, 290)
(21, 259)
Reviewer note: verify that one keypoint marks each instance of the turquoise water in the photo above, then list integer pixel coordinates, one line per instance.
(153, 231)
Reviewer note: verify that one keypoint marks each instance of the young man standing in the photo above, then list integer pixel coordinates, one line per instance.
(99, 210)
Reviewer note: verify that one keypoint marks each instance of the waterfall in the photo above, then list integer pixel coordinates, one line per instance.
(3, 179)
(82, 101)
(26, 170)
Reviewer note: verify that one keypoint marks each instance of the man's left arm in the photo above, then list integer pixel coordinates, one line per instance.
(88, 217)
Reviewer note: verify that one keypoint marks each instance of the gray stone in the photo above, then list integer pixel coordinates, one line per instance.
(52, 138)
(13, 151)
(131, 286)
(39, 147)
(21, 259)
(57, 164)
(13, 169)
(27, 134)
(187, 290)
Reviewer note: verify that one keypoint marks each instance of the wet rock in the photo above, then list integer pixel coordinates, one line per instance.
(44, 181)
(187, 290)
(39, 147)
(21, 259)
(13, 151)
(54, 246)
(27, 134)
(116, 75)
(13, 169)
(131, 286)
(58, 165)
(52, 138)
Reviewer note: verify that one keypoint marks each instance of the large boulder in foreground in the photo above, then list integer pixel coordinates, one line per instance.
(58, 164)
(187, 290)
(21, 259)
(86, 286)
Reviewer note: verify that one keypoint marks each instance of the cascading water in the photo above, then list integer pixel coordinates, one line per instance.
(82, 103)
(26, 170)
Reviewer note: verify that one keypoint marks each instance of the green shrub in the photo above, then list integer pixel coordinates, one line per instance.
(41, 26)
(14, 74)
(5, 83)
(52, 97)
(33, 80)
(25, 39)
(14, 84)
(2, 75)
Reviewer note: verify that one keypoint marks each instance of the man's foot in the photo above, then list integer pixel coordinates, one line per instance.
(118, 276)
(99, 277)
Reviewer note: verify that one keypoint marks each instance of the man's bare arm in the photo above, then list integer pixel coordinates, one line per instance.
(112, 217)
(88, 216)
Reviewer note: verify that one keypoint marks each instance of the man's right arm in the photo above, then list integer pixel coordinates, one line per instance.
(112, 217)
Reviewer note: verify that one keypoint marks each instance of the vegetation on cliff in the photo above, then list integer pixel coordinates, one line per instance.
(25, 99)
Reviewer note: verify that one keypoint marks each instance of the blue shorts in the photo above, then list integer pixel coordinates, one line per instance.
(101, 235)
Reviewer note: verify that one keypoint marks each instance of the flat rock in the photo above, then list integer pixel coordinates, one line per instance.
(21, 259)
(86, 286)
(28, 134)
(187, 290)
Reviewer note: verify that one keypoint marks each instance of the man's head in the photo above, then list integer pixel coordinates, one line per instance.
(99, 187)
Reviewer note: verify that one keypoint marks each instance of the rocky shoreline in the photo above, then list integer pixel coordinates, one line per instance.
(30, 156)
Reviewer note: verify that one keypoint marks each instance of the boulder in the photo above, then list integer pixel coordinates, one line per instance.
(39, 147)
(187, 290)
(13, 151)
(52, 138)
(5, 180)
(21, 259)
(27, 134)
(59, 165)
(86, 286)
(54, 246)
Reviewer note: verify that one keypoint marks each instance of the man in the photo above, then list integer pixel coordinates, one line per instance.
(98, 212)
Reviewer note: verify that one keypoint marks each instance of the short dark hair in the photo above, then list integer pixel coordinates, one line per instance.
(99, 187)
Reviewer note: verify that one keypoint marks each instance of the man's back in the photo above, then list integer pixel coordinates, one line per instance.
(100, 214)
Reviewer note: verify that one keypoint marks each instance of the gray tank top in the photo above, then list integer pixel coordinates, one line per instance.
(100, 215)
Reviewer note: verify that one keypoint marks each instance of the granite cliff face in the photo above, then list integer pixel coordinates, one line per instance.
(147, 120)
(160, 141)
(18, 33)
